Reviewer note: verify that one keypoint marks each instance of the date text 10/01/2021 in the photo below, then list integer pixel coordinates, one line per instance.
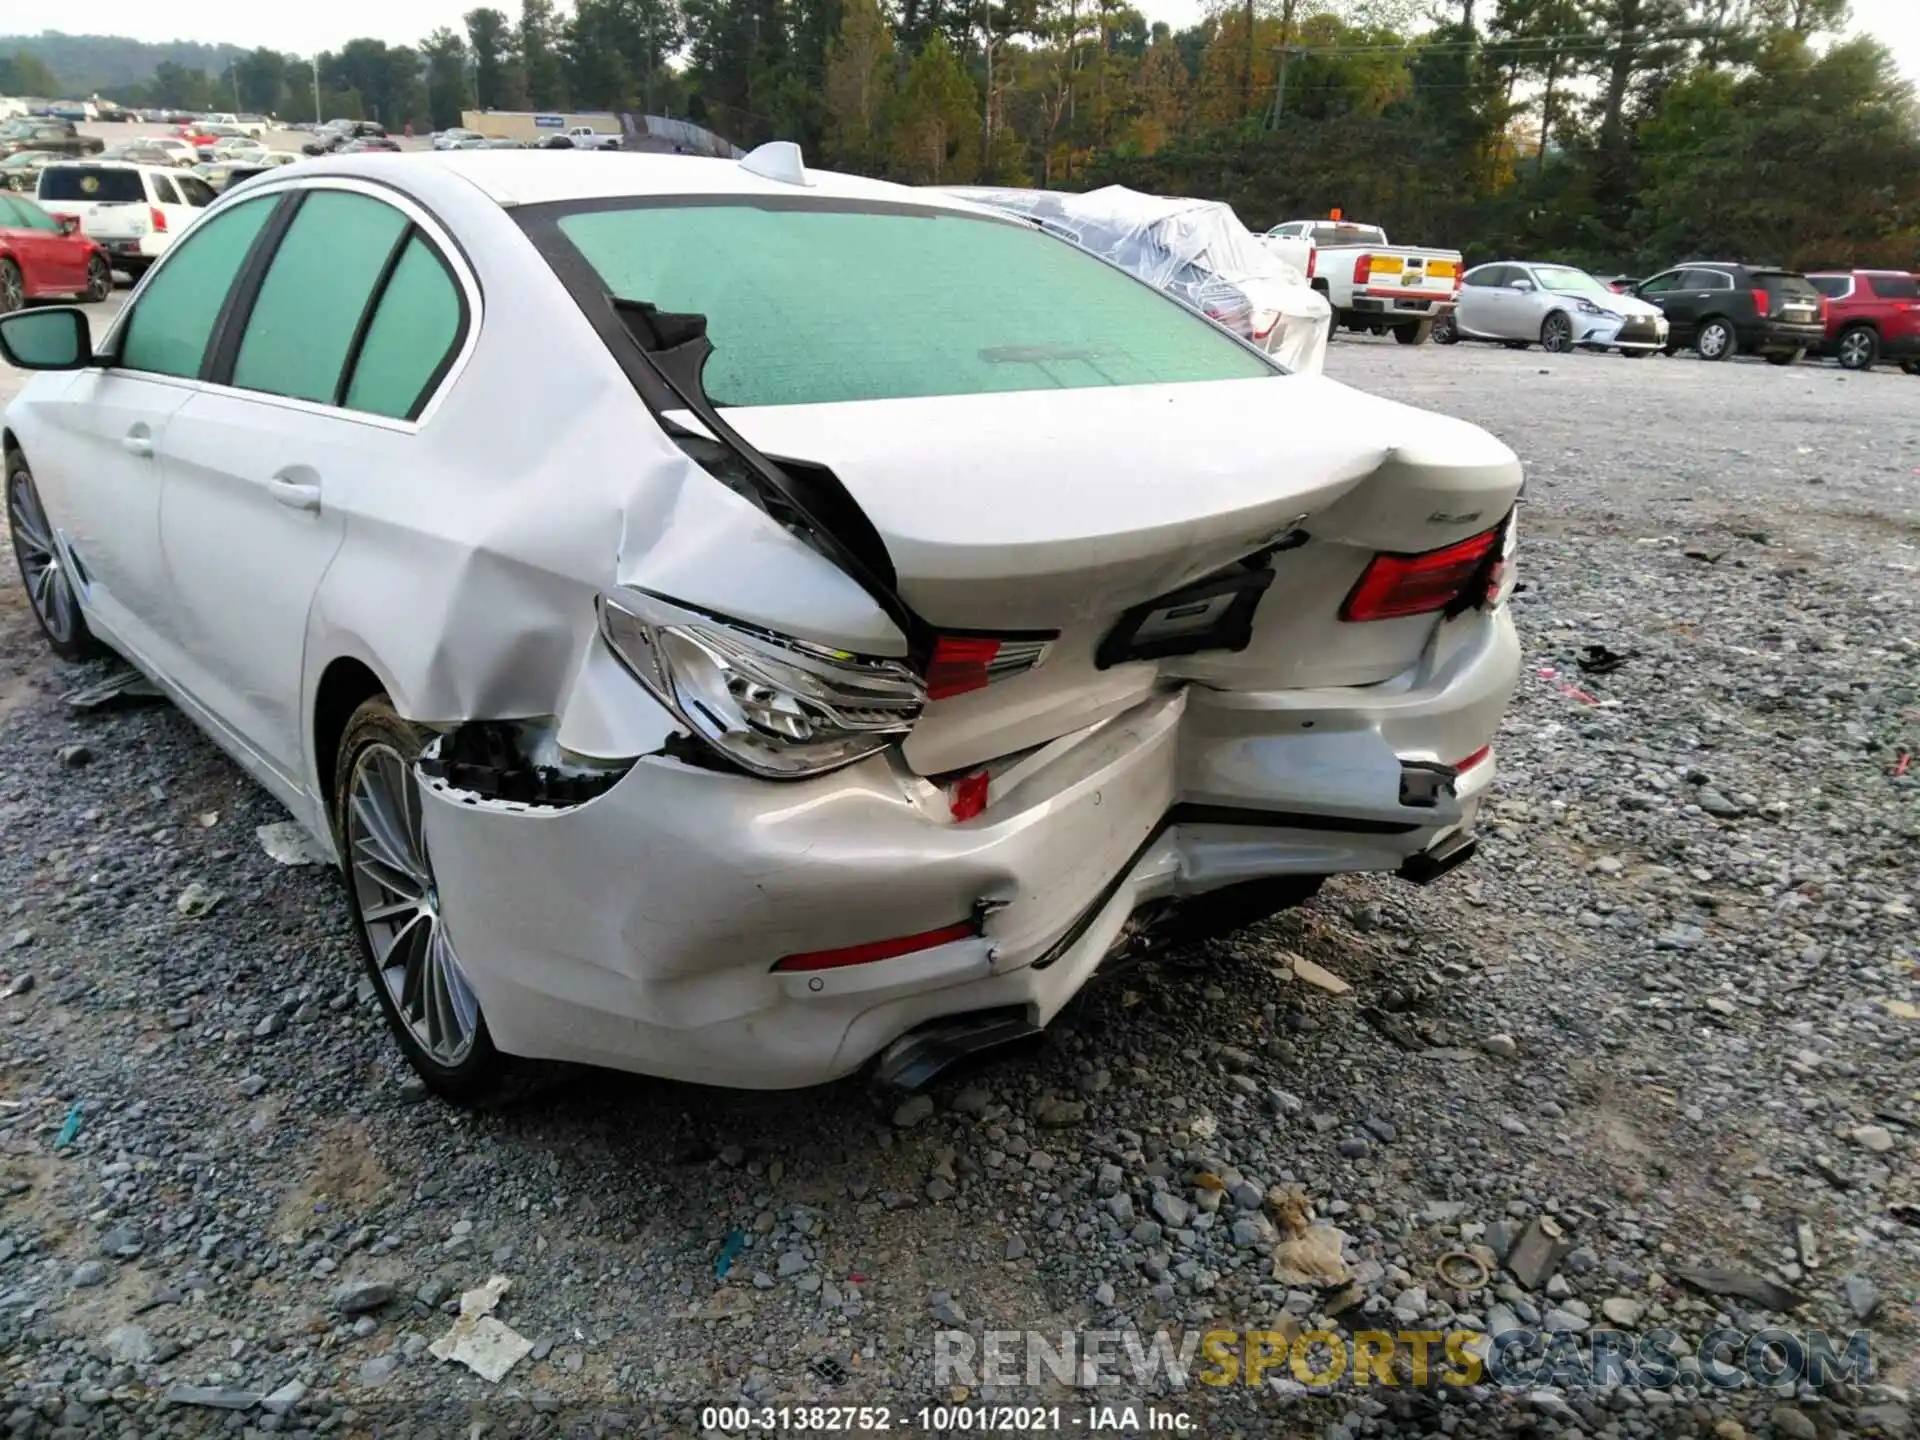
(946, 1419)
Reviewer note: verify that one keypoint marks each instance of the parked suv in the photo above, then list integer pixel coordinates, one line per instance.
(1871, 315)
(57, 137)
(134, 211)
(1721, 309)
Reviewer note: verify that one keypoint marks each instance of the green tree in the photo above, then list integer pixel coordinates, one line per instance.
(445, 54)
(936, 120)
(540, 59)
(25, 74)
(491, 39)
(859, 86)
(260, 77)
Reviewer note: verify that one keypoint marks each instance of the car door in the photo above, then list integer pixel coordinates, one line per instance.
(106, 428)
(1477, 311)
(40, 270)
(1664, 291)
(62, 260)
(262, 467)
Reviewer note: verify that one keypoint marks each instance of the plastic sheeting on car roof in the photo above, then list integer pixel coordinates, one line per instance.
(1196, 250)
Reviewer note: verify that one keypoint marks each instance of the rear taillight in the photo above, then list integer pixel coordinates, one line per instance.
(159, 219)
(1760, 303)
(1394, 586)
(1363, 270)
(874, 950)
(964, 663)
(1313, 256)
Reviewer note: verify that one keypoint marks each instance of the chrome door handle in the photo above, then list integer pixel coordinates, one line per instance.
(294, 494)
(137, 442)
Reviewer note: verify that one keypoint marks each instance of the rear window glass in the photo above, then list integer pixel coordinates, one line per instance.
(822, 304)
(90, 182)
(1832, 286)
(1349, 235)
(1895, 287)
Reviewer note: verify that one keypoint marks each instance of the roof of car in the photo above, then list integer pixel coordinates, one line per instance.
(537, 177)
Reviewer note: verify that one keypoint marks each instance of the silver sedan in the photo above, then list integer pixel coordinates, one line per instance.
(1556, 307)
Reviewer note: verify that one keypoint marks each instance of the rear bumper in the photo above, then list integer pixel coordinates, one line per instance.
(1774, 335)
(639, 930)
(1389, 305)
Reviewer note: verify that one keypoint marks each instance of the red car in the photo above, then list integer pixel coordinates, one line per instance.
(41, 256)
(1871, 315)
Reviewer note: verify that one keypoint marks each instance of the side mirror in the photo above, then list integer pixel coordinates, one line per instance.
(56, 338)
(69, 224)
(1523, 286)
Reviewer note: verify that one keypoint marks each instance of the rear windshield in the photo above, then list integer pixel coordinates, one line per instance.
(1348, 235)
(1832, 286)
(1895, 287)
(90, 182)
(815, 304)
(1778, 283)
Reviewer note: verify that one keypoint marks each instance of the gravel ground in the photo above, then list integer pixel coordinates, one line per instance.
(1668, 1016)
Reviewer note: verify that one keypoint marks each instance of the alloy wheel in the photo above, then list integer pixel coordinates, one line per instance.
(13, 289)
(49, 590)
(1856, 349)
(1556, 336)
(1712, 343)
(400, 907)
(99, 280)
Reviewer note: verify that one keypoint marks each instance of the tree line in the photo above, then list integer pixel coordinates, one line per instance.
(1613, 133)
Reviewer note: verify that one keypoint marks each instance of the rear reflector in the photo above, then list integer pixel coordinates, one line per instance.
(962, 663)
(1393, 586)
(877, 949)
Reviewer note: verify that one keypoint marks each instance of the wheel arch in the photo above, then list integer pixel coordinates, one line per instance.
(346, 681)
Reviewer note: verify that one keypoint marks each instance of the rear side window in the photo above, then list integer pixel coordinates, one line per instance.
(304, 320)
(1895, 287)
(170, 326)
(197, 191)
(411, 338)
(163, 190)
(1831, 286)
(819, 303)
(90, 183)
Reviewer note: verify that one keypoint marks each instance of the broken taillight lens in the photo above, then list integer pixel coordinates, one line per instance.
(1393, 586)
(963, 663)
(877, 949)
(967, 796)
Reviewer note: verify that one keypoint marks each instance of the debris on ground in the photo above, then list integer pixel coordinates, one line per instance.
(289, 844)
(1537, 1254)
(1741, 1285)
(1600, 660)
(69, 1128)
(730, 1249)
(196, 901)
(1309, 973)
(486, 1346)
(125, 686)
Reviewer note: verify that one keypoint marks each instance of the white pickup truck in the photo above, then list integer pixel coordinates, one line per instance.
(1374, 286)
(585, 137)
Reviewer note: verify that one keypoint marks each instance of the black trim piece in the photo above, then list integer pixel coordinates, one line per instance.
(1187, 814)
(1426, 866)
(216, 367)
(1097, 906)
(1423, 782)
(344, 381)
(1232, 630)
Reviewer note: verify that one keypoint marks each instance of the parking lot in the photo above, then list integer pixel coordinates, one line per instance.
(1672, 1008)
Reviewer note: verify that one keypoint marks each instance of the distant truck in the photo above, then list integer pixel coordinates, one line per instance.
(585, 137)
(1374, 286)
(56, 137)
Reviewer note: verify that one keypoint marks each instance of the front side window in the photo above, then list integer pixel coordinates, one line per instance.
(173, 320)
(827, 302)
(32, 216)
(316, 289)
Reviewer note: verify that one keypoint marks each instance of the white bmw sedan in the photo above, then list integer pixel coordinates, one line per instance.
(1555, 307)
(739, 623)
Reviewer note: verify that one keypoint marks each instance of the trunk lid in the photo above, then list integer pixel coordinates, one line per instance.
(1063, 511)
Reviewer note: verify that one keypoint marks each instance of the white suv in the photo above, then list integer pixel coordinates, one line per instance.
(134, 211)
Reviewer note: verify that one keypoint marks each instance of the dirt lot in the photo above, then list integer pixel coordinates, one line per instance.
(1671, 1011)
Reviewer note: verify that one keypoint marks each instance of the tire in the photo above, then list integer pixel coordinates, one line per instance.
(13, 287)
(1556, 334)
(1413, 334)
(1518, 344)
(1626, 354)
(43, 569)
(1786, 357)
(431, 1010)
(1911, 367)
(99, 280)
(1716, 340)
(1445, 330)
(1857, 348)
(1668, 350)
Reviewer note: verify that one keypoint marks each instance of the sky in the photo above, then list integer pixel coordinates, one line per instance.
(303, 28)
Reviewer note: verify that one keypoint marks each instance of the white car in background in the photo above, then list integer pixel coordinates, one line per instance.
(135, 211)
(1556, 307)
(744, 703)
